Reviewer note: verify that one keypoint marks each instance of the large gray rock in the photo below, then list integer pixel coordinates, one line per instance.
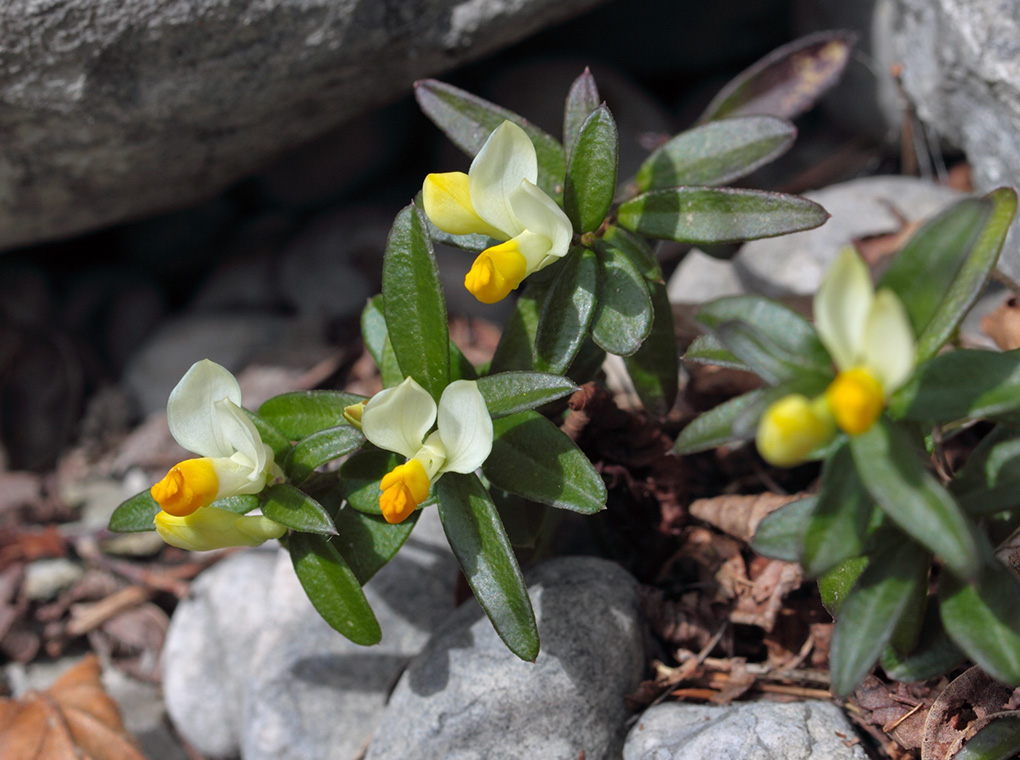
(467, 697)
(112, 110)
(743, 731)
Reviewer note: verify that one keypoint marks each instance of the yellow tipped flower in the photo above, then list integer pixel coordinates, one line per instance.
(205, 416)
(498, 197)
(398, 419)
(792, 428)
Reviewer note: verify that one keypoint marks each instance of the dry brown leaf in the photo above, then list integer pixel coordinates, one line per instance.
(739, 515)
(1003, 324)
(75, 719)
(772, 580)
(960, 711)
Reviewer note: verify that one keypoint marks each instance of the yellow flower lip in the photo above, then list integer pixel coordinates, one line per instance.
(856, 399)
(496, 272)
(791, 428)
(187, 487)
(403, 489)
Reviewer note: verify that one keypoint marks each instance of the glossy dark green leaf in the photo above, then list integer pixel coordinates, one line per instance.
(934, 655)
(718, 214)
(890, 467)
(469, 120)
(835, 586)
(624, 312)
(634, 246)
(315, 450)
(507, 393)
(999, 740)
(591, 172)
(716, 153)
(522, 519)
(299, 414)
(654, 369)
(983, 619)
(460, 367)
(567, 312)
(989, 481)
(582, 99)
(481, 546)
(780, 535)
(788, 81)
(360, 476)
(271, 436)
(377, 341)
(836, 530)
(533, 458)
(870, 614)
(515, 350)
(368, 542)
(707, 349)
(413, 302)
(295, 509)
(774, 341)
(135, 515)
(963, 384)
(241, 505)
(715, 427)
(332, 588)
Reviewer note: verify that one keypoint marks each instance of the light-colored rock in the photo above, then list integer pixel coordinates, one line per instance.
(795, 264)
(112, 110)
(45, 578)
(467, 697)
(209, 646)
(701, 278)
(743, 731)
(311, 693)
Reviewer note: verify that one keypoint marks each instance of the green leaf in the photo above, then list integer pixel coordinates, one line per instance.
(296, 510)
(837, 528)
(788, 81)
(718, 214)
(567, 312)
(533, 458)
(413, 301)
(135, 515)
(962, 384)
(271, 436)
(707, 349)
(515, 350)
(654, 368)
(635, 247)
(983, 619)
(522, 519)
(315, 450)
(999, 740)
(582, 99)
(238, 504)
(891, 469)
(715, 427)
(716, 153)
(780, 535)
(933, 656)
(460, 367)
(623, 314)
(377, 341)
(481, 546)
(776, 342)
(507, 393)
(989, 482)
(332, 588)
(360, 476)
(835, 586)
(469, 120)
(591, 172)
(297, 415)
(368, 542)
(869, 616)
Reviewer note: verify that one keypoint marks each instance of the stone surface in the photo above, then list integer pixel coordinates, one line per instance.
(701, 278)
(45, 578)
(468, 697)
(310, 692)
(209, 646)
(795, 264)
(743, 731)
(144, 106)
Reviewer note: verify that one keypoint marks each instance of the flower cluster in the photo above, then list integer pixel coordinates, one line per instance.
(871, 342)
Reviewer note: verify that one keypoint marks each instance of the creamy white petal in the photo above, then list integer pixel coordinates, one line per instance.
(535, 250)
(540, 215)
(191, 409)
(889, 346)
(432, 455)
(241, 435)
(237, 475)
(841, 307)
(397, 419)
(465, 427)
(506, 158)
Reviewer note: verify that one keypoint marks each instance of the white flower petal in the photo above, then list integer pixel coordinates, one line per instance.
(841, 307)
(541, 216)
(191, 409)
(237, 475)
(506, 158)
(241, 435)
(464, 426)
(889, 351)
(397, 419)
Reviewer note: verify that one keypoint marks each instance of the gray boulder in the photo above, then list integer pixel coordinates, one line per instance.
(114, 110)
(743, 731)
(467, 697)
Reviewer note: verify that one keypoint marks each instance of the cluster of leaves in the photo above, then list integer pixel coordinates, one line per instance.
(883, 510)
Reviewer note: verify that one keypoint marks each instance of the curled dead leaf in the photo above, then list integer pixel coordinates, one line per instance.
(740, 515)
(961, 710)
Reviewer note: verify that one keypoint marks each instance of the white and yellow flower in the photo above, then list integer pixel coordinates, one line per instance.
(205, 416)
(871, 342)
(399, 419)
(498, 197)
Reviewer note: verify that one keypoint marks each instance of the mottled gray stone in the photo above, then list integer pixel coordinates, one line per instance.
(795, 264)
(112, 110)
(743, 731)
(209, 646)
(467, 697)
(312, 693)
(701, 278)
(45, 578)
